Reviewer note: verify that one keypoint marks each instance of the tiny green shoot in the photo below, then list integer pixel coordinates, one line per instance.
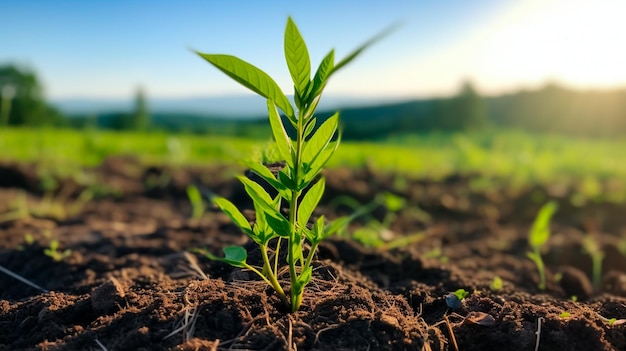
(55, 253)
(299, 184)
(591, 247)
(376, 233)
(538, 236)
(461, 294)
(197, 203)
(496, 283)
(454, 299)
(612, 321)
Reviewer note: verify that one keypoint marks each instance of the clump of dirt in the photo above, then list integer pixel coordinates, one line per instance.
(128, 283)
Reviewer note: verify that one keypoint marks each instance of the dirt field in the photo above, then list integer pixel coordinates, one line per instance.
(128, 282)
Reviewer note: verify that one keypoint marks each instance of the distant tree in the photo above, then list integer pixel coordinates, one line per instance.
(21, 99)
(140, 119)
(471, 108)
(464, 111)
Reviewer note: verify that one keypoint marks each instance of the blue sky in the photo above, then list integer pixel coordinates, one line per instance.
(106, 49)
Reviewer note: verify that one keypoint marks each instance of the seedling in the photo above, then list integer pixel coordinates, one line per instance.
(539, 234)
(454, 300)
(591, 246)
(496, 283)
(197, 204)
(615, 321)
(436, 253)
(298, 184)
(55, 253)
(376, 233)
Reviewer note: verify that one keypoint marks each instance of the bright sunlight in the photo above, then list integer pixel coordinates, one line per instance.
(573, 42)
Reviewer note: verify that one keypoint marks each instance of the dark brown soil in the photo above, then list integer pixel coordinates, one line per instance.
(128, 282)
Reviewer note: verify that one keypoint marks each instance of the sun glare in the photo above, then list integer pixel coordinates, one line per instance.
(574, 42)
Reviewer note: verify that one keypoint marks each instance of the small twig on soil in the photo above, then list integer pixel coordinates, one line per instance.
(451, 332)
(101, 345)
(193, 264)
(188, 326)
(289, 335)
(22, 279)
(538, 332)
(331, 327)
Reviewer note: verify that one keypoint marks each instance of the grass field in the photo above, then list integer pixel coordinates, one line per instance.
(517, 157)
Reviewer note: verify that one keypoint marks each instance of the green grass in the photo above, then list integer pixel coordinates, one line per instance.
(518, 157)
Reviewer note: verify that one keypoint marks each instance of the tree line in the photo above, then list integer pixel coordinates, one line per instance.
(551, 108)
(22, 103)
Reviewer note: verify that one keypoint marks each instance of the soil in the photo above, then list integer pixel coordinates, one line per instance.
(128, 281)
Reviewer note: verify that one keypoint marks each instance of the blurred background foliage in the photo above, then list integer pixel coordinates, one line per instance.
(552, 108)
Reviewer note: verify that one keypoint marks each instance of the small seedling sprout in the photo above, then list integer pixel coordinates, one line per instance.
(376, 233)
(496, 283)
(591, 246)
(55, 253)
(305, 153)
(537, 237)
(454, 299)
(197, 204)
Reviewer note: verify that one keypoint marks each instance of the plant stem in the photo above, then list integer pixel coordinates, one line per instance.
(541, 269)
(273, 283)
(276, 253)
(309, 258)
(271, 276)
(294, 245)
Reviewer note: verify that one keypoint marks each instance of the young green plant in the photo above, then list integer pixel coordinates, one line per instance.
(197, 203)
(591, 246)
(55, 252)
(299, 184)
(376, 233)
(537, 237)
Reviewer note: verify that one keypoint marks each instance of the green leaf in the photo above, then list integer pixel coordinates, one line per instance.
(296, 250)
(251, 77)
(362, 48)
(316, 166)
(461, 294)
(327, 67)
(540, 231)
(279, 224)
(321, 76)
(264, 233)
(310, 201)
(305, 277)
(259, 195)
(322, 137)
(393, 202)
(320, 232)
(231, 211)
(283, 142)
(235, 256)
(287, 181)
(310, 127)
(535, 257)
(339, 224)
(267, 175)
(297, 56)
